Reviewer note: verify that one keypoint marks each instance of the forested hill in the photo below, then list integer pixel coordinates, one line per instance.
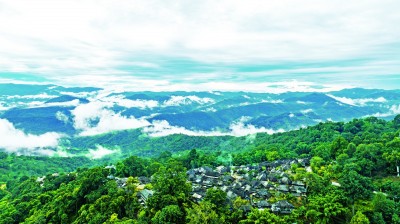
(50, 120)
(351, 178)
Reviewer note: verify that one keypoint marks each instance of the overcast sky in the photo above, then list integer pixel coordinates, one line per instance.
(202, 45)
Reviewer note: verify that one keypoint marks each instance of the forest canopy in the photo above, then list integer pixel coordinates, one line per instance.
(351, 178)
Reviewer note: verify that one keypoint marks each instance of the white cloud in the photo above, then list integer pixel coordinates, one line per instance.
(238, 128)
(14, 140)
(121, 83)
(79, 94)
(15, 81)
(41, 152)
(94, 118)
(72, 103)
(393, 110)
(31, 104)
(96, 39)
(123, 102)
(38, 96)
(241, 129)
(109, 121)
(3, 106)
(186, 100)
(358, 102)
(138, 103)
(210, 109)
(302, 102)
(163, 128)
(11, 104)
(85, 113)
(306, 111)
(100, 152)
(261, 87)
(291, 115)
(215, 93)
(62, 117)
(229, 29)
(62, 153)
(37, 101)
(272, 101)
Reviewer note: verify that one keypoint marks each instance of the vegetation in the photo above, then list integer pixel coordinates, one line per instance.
(14, 168)
(352, 179)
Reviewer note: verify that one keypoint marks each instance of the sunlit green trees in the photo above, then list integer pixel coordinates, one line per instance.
(171, 188)
(359, 218)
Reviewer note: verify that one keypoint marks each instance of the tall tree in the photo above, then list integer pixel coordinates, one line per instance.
(170, 188)
(355, 186)
(394, 155)
(359, 218)
(204, 212)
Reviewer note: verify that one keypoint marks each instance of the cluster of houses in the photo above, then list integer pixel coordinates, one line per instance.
(256, 183)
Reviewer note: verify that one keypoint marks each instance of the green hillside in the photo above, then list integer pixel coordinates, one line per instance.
(351, 178)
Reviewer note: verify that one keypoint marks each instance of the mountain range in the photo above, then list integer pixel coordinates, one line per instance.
(40, 119)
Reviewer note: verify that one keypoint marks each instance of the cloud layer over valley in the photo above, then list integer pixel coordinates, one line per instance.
(237, 129)
(101, 152)
(95, 118)
(15, 140)
(39, 124)
(358, 102)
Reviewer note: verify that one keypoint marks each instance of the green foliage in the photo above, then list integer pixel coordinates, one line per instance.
(134, 142)
(171, 189)
(218, 198)
(384, 206)
(355, 185)
(192, 160)
(87, 197)
(359, 218)
(360, 155)
(132, 166)
(316, 163)
(272, 155)
(204, 212)
(351, 149)
(378, 218)
(13, 167)
(393, 156)
(396, 219)
(171, 180)
(327, 208)
(322, 150)
(338, 145)
(262, 216)
(170, 214)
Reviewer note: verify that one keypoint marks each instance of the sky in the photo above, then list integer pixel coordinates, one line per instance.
(202, 45)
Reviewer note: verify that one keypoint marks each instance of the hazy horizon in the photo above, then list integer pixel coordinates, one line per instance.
(250, 46)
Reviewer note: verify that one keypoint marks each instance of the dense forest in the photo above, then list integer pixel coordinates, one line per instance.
(351, 178)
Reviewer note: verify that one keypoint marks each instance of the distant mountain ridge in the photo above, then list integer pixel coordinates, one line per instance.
(40, 109)
(192, 110)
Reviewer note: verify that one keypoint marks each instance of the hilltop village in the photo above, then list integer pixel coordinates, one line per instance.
(261, 184)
